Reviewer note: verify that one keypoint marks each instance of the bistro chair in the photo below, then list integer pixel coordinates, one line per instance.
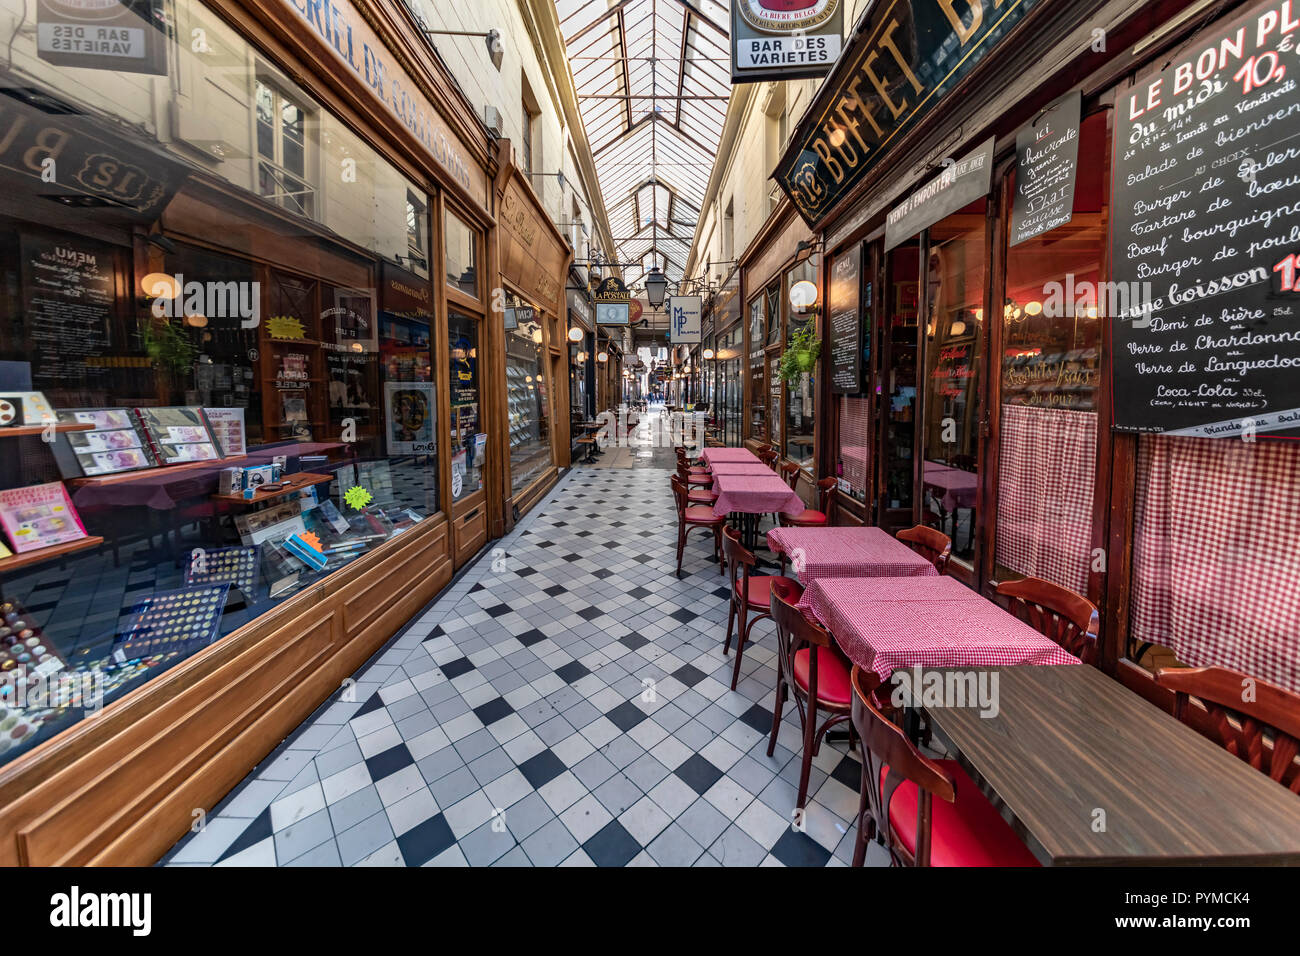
(931, 543)
(897, 805)
(1067, 618)
(1263, 731)
(768, 455)
(697, 493)
(790, 472)
(682, 456)
(816, 517)
(810, 668)
(690, 517)
(693, 480)
(750, 594)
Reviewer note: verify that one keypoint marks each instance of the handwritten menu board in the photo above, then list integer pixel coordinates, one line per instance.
(68, 297)
(1047, 162)
(845, 327)
(1206, 244)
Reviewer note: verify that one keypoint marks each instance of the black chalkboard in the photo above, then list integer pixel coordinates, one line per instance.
(1047, 161)
(845, 325)
(1205, 240)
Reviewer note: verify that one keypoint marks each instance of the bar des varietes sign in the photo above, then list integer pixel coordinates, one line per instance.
(904, 58)
(784, 39)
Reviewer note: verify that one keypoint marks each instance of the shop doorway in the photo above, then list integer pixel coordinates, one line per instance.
(899, 351)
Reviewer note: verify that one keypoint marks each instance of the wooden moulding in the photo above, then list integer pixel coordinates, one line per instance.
(120, 788)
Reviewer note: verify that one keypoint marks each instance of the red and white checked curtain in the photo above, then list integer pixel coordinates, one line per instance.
(1216, 553)
(855, 442)
(1046, 472)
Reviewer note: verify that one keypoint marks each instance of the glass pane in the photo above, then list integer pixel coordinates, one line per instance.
(467, 438)
(900, 379)
(1051, 371)
(954, 351)
(526, 399)
(462, 255)
(757, 372)
(800, 395)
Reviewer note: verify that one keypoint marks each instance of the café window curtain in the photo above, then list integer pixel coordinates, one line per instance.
(1045, 488)
(1216, 553)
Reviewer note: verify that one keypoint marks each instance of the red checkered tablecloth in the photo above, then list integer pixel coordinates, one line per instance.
(712, 455)
(1045, 481)
(756, 495)
(958, 488)
(883, 624)
(816, 553)
(1216, 553)
(741, 468)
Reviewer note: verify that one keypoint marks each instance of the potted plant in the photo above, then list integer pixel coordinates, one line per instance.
(801, 354)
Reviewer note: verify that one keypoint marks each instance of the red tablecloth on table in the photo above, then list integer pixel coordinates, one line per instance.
(883, 624)
(846, 553)
(755, 494)
(959, 487)
(741, 468)
(712, 455)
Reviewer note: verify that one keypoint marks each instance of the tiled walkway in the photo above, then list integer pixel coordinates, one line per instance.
(566, 702)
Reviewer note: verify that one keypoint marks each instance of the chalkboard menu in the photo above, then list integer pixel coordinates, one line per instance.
(1047, 161)
(1205, 245)
(68, 296)
(845, 326)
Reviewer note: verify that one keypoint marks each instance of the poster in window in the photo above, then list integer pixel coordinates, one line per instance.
(409, 418)
(354, 320)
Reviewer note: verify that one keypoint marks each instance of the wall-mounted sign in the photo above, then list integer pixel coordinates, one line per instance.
(121, 35)
(1205, 254)
(845, 323)
(784, 39)
(612, 298)
(960, 184)
(684, 314)
(907, 56)
(1047, 163)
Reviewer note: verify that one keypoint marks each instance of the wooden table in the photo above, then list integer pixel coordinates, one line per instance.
(1069, 742)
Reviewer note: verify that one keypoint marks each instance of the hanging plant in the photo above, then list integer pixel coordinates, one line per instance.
(801, 354)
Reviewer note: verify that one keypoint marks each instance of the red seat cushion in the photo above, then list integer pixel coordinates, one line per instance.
(832, 676)
(967, 832)
(701, 514)
(759, 594)
(808, 516)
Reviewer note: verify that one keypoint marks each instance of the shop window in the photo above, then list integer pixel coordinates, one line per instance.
(757, 371)
(1051, 371)
(468, 441)
(854, 466)
(462, 255)
(282, 151)
(772, 301)
(526, 399)
(955, 278)
(1216, 535)
(902, 306)
(417, 235)
(801, 393)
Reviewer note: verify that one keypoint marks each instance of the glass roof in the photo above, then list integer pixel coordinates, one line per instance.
(652, 78)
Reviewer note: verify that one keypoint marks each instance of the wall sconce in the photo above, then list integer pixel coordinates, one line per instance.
(708, 354)
(602, 356)
(575, 334)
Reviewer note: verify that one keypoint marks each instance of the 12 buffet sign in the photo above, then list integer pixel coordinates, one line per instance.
(914, 53)
(356, 45)
(1205, 194)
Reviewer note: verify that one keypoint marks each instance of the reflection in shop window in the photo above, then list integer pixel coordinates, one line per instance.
(282, 151)
(800, 394)
(462, 255)
(526, 398)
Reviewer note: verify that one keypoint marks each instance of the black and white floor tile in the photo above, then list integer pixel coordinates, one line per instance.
(565, 702)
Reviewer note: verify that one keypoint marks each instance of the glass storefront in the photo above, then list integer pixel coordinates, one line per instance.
(468, 440)
(215, 358)
(526, 397)
(800, 394)
(757, 370)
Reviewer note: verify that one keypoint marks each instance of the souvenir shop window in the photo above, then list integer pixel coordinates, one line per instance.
(222, 435)
(1050, 375)
(802, 392)
(526, 396)
(955, 277)
(468, 440)
(462, 255)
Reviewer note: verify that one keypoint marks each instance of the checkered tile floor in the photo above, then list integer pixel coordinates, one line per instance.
(565, 702)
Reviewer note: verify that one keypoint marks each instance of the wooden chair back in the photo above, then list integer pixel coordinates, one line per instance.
(884, 744)
(1067, 618)
(740, 562)
(795, 632)
(931, 543)
(679, 495)
(790, 471)
(827, 500)
(768, 456)
(1253, 719)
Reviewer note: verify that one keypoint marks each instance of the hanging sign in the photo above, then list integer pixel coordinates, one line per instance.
(784, 39)
(1205, 252)
(120, 35)
(905, 57)
(1047, 164)
(684, 314)
(960, 184)
(612, 302)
